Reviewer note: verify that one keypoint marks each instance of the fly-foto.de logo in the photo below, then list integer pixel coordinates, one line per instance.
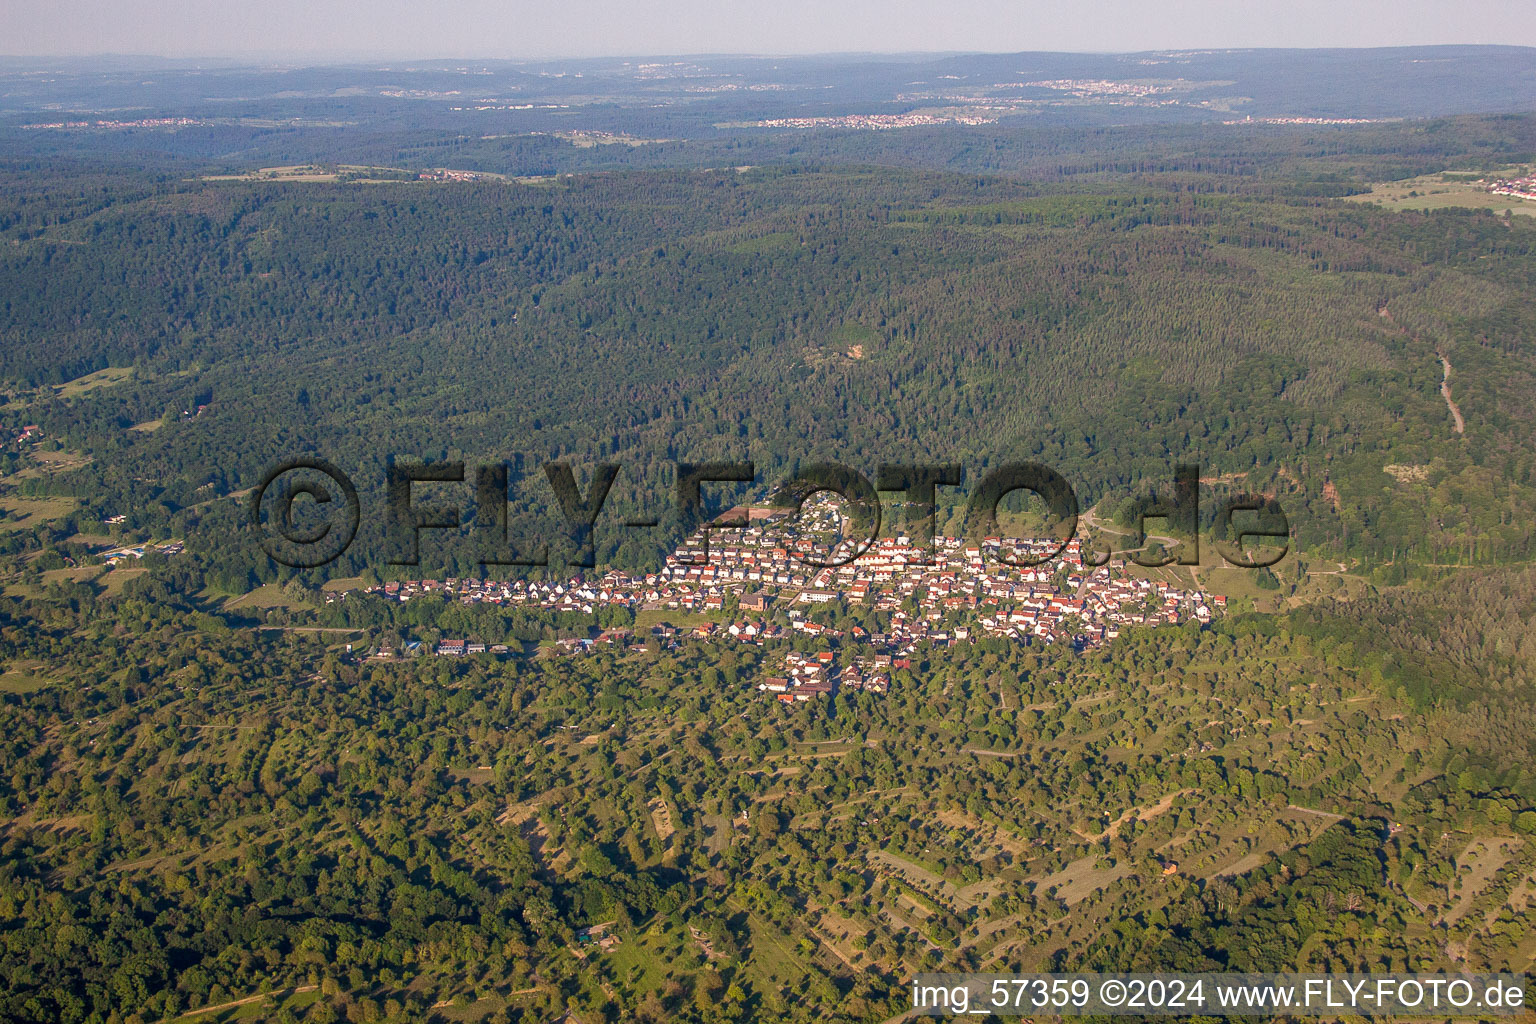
(306, 511)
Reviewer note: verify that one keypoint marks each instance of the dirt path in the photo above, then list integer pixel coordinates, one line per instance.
(241, 1002)
(1445, 392)
(1162, 806)
(1089, 519)
(1313, 810)
(220, 497)
(1420, 907)
(1457, 422)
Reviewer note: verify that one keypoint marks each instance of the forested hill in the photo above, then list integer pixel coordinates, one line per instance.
(1108, 324)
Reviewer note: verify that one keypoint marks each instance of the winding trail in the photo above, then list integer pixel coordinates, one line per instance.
(1445, 392)
(221, 1007)
(1457, 422)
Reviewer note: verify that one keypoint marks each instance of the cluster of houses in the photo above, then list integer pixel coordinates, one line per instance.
(143, 122)
(1086, 88)
(459, 648)
(808, 676)
(1250, 119)
(765, 580)
(872, 122)
(444, 174)
(1520, 188)
(170, 547)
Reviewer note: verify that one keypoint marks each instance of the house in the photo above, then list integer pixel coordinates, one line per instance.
(814, 688)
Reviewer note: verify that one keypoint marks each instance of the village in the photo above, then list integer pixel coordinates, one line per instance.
(1520, 188)
(870, 122)
(764, 581)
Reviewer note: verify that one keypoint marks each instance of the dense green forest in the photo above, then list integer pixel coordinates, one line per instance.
(212, 800)
(1108, 326)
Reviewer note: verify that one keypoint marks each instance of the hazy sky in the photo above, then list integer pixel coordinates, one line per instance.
(555, 28)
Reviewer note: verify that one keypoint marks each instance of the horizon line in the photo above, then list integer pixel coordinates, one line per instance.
(343, 56)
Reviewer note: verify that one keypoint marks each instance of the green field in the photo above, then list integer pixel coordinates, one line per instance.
(262, 598)
(116, 579)
(104, 378)
(76, 574)
(20, 682)
(26, 513)
(1442, 192)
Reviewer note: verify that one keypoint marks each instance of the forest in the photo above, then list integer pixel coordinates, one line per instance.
(1107, 326)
